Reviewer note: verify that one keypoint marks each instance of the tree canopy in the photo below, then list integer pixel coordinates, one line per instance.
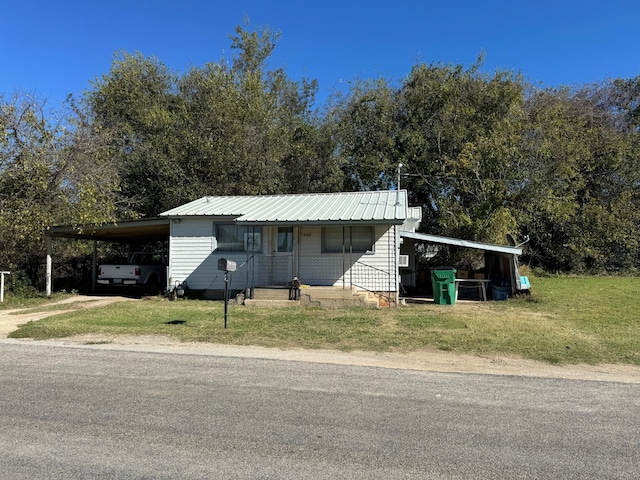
(490, 155)
(52, 171)
(217, 129)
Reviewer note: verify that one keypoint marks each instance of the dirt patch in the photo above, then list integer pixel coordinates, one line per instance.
(10, 320)
(425, 360)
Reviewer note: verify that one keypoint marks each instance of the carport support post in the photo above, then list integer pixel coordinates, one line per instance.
(48, 274)
(94, 268)
(2, 274)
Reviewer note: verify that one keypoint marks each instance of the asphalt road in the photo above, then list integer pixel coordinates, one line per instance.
(98, 413)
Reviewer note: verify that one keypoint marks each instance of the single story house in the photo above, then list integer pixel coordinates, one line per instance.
(349, 239)
(356, 240)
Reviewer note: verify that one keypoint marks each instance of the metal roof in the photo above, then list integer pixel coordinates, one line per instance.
(144, 230)
(462, 243)
(385, 206)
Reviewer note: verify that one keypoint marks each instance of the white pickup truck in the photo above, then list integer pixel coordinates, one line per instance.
(146, 270)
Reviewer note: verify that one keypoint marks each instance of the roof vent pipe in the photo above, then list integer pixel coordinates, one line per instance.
(400, 165)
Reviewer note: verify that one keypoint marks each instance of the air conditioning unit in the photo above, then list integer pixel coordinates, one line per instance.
(403, 261)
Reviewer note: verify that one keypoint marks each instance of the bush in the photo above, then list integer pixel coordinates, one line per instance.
(20, 285)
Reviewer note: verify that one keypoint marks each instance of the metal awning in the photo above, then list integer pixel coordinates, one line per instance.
(145, 230)
(462, 243)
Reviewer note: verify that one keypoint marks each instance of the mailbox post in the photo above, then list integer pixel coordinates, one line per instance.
(228, 266)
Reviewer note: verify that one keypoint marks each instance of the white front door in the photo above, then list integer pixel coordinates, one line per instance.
(282, 258)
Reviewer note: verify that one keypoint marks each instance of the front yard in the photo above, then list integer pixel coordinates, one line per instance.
(566, 320)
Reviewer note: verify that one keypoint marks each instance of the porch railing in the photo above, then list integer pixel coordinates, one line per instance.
(372, 279)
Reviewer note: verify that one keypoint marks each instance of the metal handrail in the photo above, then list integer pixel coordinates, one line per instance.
(371, 276)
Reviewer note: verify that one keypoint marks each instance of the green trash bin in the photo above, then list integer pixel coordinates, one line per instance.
(443, 280)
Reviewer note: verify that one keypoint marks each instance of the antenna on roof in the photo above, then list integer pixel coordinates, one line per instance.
(400, 165)
(512, 242)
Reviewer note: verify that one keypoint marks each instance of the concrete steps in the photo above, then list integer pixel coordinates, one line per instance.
(336, 297)
(271, 293)
(271, 297)
(271, 303)
(320, 296)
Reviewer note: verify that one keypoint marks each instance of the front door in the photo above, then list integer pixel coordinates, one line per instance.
(282, 259)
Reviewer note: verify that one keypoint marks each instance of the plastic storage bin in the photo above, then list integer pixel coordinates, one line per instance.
(443, 280)
(500, 293)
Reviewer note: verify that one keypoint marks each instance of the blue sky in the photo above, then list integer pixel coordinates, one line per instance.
(53, 48)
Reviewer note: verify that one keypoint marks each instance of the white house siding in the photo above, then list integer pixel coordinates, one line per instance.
(380, 277)
(317, 268)
(193, 260)
(190, 250)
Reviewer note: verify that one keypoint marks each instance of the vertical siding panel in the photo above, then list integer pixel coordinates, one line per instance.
(381, 277)
(190, 249)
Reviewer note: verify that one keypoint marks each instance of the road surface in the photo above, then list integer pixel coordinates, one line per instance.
(101, 412)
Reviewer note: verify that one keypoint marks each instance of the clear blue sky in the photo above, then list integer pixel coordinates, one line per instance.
(52, 48)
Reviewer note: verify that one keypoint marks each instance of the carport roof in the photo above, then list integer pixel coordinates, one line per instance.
(489, 247)
(145, 230)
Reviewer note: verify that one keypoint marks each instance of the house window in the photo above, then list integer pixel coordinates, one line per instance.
(362, 239)
(285, 239)
(238, 238)
(358, 239)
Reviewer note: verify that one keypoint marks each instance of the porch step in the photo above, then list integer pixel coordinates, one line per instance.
(271, 297)
(271, 293)
(336, 297)
(321, 296)
(271, 303)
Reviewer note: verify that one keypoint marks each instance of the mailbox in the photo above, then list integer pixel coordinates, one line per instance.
(226, 265)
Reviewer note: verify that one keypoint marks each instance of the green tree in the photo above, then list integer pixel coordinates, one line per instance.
(311, 164)
(460, 136)
(219, 129)
(579, 203)
(624, 97)
(136, 109)
(51, 173)
(364, 124)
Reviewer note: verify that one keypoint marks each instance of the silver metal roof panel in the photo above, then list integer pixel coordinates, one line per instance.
(386, 206)
(462, 243)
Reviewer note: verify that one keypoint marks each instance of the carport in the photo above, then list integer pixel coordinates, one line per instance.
(502, 258)
(131, 231)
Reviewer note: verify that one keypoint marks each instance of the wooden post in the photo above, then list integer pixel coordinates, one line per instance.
(94, 268)
(2, 274)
